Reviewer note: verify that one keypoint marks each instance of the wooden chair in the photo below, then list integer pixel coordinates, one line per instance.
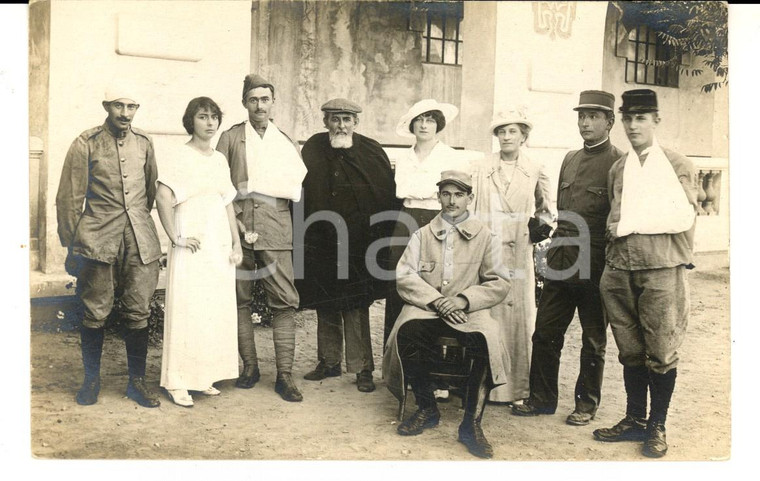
(453, 364)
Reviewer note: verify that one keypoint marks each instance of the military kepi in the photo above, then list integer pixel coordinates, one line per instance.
(596, 100)
(341, 105)
(640, 100)
(456, 177)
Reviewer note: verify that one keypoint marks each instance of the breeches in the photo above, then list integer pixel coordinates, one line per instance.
(128, 279)
(275, 272)
(648, 311)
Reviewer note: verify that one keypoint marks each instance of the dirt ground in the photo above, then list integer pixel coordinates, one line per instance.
(337, 422)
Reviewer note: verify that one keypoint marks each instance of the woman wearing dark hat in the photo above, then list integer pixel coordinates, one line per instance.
(510, 189)
(416, 173)
(194, 200)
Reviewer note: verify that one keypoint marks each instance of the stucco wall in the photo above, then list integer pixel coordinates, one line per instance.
(314, 51)
(39, 72)
(170, 52)
(539, 58)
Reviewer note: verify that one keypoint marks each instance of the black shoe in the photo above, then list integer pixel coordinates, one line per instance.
(419, 421)
(286, 388)
(528, 409)
(249, 377)
(655, 445)
(629, 429)
(139, 392)
(322, 371)
(471, 435)
(88, 393)
(364, 382)
(578, 418)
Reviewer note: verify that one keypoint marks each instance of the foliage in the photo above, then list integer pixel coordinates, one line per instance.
(699, 28)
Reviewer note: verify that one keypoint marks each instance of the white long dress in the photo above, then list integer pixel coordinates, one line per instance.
(200, 324)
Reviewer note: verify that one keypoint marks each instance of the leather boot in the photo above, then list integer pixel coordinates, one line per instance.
(247, 350)
(286, 388)
(249, 377)
(427, 414)
(636, 381)
(661, 388)
(470, 432)
(136, 341)
(92, 349)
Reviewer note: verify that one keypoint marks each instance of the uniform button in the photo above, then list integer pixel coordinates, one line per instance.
(255, 206)
(123, 159)
(127, 208)
(125, 176)
(334, 194)
(510, 303)
(511, 243)
(450, 247)
(336, 173)
(121, 142)
(126, 192)
(445, 283)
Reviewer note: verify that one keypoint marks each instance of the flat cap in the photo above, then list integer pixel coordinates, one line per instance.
(341, 105)
(456, 177)
(596, 100)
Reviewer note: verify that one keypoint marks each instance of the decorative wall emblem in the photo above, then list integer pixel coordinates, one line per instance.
(554, 18)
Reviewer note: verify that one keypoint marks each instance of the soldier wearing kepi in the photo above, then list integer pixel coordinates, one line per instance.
(576, 262)
(650, 231)
(113, 247)
(266, 168)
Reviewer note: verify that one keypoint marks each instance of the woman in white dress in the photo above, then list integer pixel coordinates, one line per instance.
(416, 174)
(510, 188)
(194, 200)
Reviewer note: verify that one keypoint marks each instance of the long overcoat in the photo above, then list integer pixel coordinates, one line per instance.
(444, 260)
(343, 189)
(506, 212)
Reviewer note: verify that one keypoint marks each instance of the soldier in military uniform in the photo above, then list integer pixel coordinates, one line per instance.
(104, 200)
(266, 168)
(576, 261)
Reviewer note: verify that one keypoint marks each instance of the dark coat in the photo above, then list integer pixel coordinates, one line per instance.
(355, 184)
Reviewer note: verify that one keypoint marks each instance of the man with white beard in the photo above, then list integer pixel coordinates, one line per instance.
(349, 179)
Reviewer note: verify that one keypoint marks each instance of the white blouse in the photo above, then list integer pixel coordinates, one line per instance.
(416, 179)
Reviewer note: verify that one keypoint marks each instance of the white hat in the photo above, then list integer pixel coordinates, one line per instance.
(509, 117)
(449, 111)
(118, 90)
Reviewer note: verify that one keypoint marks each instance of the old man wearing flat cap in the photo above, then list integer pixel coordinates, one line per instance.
(104, 200)
(349, 180)
(266, 168)
(644, 287)
(576, 261)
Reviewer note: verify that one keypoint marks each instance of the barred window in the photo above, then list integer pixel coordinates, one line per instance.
(439, 25)
(645, 55)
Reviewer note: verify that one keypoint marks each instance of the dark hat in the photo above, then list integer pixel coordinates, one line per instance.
(341, 105)
(641, 100)
(255, 80)
(596, 100)
(456, 177)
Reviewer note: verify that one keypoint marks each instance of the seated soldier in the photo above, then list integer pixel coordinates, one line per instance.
(448, 280)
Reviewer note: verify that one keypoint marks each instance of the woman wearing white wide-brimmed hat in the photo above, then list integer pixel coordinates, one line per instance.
(509, 190)
(416, 174)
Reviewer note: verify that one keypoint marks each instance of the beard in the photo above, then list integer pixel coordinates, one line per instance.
(341, 141)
